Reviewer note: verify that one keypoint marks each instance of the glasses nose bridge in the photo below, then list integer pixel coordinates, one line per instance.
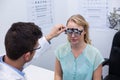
(73, 34)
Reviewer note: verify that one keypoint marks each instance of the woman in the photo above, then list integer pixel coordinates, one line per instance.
(77, 59)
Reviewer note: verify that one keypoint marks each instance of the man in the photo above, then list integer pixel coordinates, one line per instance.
(21, 42)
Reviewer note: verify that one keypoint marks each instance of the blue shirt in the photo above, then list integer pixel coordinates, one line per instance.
(18, 71)
(82, 67)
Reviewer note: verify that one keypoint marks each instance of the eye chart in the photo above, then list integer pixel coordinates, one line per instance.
(95, 12)
(40, 12)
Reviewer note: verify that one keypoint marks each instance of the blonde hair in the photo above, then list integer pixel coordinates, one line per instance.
(79, 20)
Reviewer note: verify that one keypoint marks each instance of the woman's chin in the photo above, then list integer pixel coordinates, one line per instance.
(74, 42)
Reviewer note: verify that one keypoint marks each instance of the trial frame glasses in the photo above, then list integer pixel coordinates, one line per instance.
(75, 31)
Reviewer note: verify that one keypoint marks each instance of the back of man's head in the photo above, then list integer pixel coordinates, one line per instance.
(21, 38)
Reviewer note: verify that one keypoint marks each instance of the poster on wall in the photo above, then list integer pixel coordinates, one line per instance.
(95, 12)
(40, 12)
(114, 15)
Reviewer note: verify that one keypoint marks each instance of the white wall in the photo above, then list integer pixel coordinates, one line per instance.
(10, 11)
(15, 10)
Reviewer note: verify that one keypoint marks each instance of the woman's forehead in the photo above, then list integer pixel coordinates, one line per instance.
(74, 25)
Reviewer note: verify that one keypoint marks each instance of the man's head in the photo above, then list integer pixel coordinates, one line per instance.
(21, 38)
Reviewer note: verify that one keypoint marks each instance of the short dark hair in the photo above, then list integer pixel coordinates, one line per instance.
(21, 38)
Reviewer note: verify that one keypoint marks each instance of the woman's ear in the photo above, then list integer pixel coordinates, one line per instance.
(27, 56)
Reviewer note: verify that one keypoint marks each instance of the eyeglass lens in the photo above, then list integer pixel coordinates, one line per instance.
(76, 32)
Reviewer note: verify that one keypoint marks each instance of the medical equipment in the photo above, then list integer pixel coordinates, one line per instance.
(114, 19)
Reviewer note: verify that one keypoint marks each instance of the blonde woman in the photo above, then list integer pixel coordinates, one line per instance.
(78, 59)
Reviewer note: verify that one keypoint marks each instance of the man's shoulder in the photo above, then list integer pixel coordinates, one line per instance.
(2, 54)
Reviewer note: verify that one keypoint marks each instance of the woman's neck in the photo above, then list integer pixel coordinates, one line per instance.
(78, 46)
(78, 49)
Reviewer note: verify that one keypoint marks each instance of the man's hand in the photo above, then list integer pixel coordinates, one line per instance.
(55, 31)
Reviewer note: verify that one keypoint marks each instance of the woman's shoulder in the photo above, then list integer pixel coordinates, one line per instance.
(91, 52)
(64, 47)
(94, 56)
(62, 50)
(92, 49)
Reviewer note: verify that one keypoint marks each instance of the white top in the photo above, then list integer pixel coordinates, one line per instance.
(37, 73)
(7, 72)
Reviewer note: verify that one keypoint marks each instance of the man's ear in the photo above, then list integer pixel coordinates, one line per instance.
(27, 56)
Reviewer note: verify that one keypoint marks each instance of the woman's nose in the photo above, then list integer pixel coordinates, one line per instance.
(73, 35)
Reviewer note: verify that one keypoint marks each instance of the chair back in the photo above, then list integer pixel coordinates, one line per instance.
(114, 64)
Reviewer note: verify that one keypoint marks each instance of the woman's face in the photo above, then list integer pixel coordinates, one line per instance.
(75, 33)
